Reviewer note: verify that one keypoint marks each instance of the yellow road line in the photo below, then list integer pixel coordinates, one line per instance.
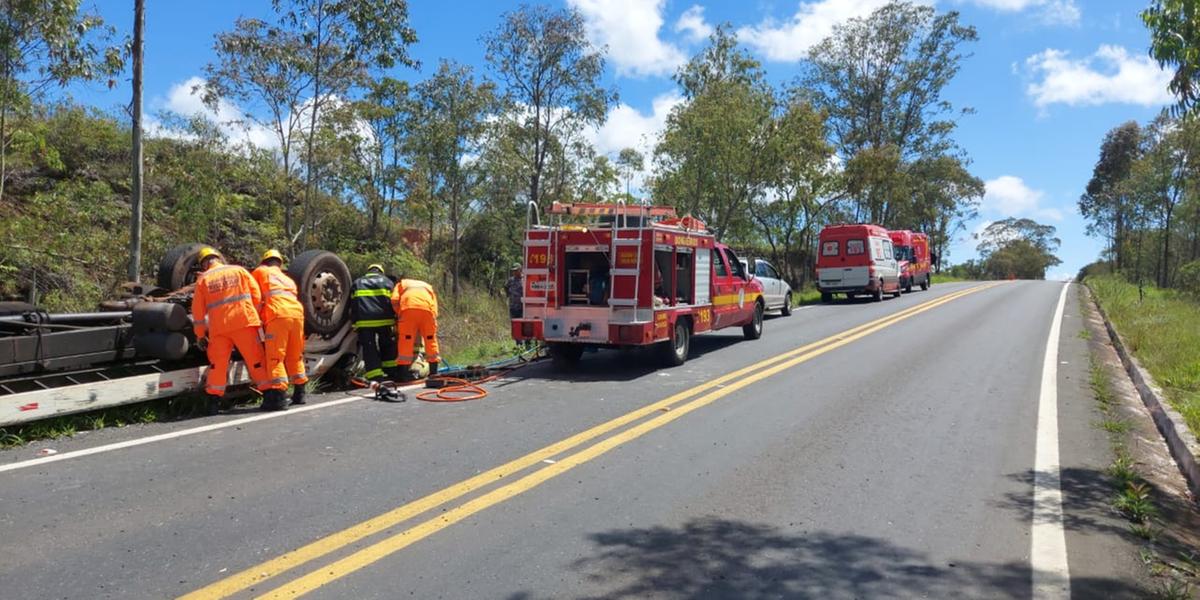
(394, 543)
(333, 542)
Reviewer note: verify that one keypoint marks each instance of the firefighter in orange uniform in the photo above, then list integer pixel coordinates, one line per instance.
(283, 321)
(415, 304)
(225, 315)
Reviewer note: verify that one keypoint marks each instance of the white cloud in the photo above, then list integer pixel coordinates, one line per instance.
(692, 24)
(789, 41)
(1009, 196)
(630, 30)
(1109, 76)
(1063, 12)
(626, 127)
(185, 99)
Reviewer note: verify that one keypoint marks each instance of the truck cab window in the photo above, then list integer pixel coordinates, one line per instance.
(735, 264)
(719, 264)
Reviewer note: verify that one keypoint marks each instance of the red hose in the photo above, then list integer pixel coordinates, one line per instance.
(458, 390)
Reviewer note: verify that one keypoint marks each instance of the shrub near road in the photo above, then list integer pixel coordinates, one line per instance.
(1163, 331)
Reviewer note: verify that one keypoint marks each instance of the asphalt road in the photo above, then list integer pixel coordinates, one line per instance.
(858, 450)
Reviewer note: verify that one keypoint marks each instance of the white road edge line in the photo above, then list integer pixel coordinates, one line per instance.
(34, 462)
(1048, 540)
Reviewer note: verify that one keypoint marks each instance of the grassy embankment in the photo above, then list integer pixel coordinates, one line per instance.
(1163, 332)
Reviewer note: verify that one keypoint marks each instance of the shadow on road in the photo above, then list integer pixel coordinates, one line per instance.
(719, 558)
(621, 365)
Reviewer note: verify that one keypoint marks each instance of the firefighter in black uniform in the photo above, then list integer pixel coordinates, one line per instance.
(371, 309)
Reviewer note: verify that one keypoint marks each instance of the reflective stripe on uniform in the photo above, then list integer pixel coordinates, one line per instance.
(365, 293)
(275, 381)
(229, 300)
(387, 364)
(367, 323)
(281, 292)
(404, 361)
(373, 373)
(431, 357)
(299, 379)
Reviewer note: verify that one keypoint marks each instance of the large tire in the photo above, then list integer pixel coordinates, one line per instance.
(925, 284)
(754, 329)
(826, 297)
(178, 266)
(908, 285)
(324, 282)
(878, 295)
(565, 356)
(787, 305)
(675, 350)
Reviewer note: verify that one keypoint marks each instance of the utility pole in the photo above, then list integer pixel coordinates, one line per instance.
(135, 233)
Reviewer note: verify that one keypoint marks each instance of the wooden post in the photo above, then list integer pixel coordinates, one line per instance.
(135, 233)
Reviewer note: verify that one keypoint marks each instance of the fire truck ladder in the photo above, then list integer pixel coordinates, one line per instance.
(621, 223)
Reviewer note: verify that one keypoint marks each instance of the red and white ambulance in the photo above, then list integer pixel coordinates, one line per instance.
(856, 259)
(611, 275)
(912, 251)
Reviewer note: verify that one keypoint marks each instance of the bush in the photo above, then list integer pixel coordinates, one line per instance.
(1189, 278)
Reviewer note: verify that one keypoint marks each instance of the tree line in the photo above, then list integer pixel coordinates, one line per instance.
(370, 158)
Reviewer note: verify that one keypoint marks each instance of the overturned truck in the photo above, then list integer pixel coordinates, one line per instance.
(141, 347)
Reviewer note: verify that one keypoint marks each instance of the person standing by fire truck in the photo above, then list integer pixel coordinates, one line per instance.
(416, 309)
(282, 316)
(225, 316)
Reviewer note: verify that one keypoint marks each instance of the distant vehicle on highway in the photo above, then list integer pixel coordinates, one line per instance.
(912, 252)
(776, 292)
(856, 259)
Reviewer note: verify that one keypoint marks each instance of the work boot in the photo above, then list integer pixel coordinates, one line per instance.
(298, 394)
(433, 367)
(274, 400)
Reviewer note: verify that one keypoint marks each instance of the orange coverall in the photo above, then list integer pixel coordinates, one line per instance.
(283, 319)
(415, 304)
(224, 308)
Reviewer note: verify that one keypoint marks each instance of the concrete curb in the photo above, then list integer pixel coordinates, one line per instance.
(1181, 442)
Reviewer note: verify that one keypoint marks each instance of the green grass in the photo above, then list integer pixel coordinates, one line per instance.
(474, 329)
(1162, 330)
(946, 278)
(805, 296)
(69, 425)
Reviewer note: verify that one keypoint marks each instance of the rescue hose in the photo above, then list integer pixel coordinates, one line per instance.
(455, 389)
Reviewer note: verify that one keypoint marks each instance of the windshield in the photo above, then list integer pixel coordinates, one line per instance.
(904, 253)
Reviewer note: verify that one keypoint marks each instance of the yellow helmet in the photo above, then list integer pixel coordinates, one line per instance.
(207, 252)
(375, 267)
(269, 254)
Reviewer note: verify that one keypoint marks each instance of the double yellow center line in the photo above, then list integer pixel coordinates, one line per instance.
(667, 410)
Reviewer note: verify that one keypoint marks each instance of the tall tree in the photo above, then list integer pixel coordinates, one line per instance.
(46, 43)
(881, 81)
(550, 75)
(1106, 205)
(343, 41)
(1175, 42)
(630, 162)
(714, 154)
(1020, 248)
(448, 127)
(256, 67)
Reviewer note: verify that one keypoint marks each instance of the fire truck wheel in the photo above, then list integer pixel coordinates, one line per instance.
(925, 284)
(787, 305)
(565, 355)
(753, 329)
(908, 286)
(675, 351)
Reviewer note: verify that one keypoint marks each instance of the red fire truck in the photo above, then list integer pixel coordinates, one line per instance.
(912, 250)
(611, 275)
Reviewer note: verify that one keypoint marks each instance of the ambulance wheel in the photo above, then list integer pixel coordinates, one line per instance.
(826, 297)
(753, 330)
(925, 284)
(565, 356)
(178, 266)
(878, 297)
(899, 290)
(675, 351)
(323, 281)
(787, 305)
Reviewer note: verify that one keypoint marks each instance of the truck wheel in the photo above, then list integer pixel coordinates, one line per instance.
(565, 356)
(878, 297)
(908, 285)
(753, 330)
(787, 305)
(178, 266)
(826, 297)
(925, 284)
(324, 285)
(675, 350)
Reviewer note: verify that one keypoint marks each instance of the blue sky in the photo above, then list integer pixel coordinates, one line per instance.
(1047, 78)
